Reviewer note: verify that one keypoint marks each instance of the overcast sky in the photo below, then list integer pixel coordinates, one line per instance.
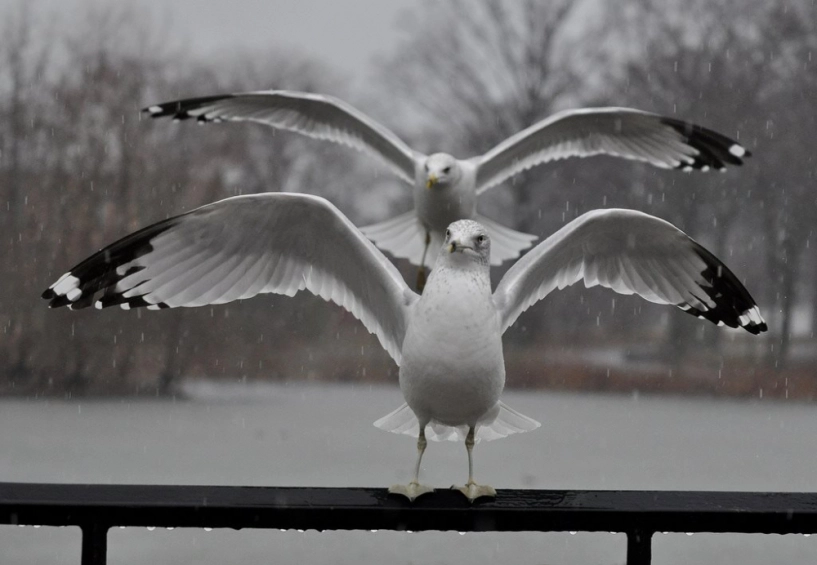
(343, 33)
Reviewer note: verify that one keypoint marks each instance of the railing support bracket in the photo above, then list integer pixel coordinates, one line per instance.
(94, 544)
(639, 547)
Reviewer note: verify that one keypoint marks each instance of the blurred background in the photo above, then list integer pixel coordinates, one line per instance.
(81, 167)
(280, 390)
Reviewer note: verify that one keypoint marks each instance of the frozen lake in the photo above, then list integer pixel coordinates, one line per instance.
(322, 436)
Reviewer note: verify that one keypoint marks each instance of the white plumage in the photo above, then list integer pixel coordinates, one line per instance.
(445, 188)
(447, 342)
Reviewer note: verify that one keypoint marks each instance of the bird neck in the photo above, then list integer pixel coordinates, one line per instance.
(467, 272)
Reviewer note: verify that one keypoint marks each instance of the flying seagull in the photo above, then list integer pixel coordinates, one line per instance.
(446, 188)
(448, 341)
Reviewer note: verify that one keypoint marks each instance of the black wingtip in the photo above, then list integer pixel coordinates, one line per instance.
(733, 305)
(180, 109)
(756, 329)
(715, 150)
(104, 269)
(58, 301)
(128, 302)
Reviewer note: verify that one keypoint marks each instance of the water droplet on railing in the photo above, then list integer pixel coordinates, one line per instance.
(208, 529)
(151, 528)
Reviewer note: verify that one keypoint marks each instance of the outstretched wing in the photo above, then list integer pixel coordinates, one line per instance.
(632, 253)
(621, 132)
(239, 247)
(314, 115)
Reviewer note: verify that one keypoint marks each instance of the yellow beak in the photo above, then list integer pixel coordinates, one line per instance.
(432, 180)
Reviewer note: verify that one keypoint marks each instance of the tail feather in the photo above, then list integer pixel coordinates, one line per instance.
(500, 422)
(507, 422)
(402, 236)
(505, 242)
(401, 421)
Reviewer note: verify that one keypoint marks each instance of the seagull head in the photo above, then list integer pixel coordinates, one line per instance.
(441, 170)
(468, 241)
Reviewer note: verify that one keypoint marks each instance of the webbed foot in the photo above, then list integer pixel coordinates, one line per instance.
(411, 490)
(473, 491)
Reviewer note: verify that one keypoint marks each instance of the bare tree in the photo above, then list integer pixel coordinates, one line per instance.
(80, 167)
(471, 74)
(740, 67)
(25, 57)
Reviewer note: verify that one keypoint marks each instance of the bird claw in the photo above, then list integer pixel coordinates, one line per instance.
(411, 491)
(473, 491)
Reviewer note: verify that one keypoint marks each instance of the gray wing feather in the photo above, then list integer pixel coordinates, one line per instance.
(240, 247)
(314, 115)
(631, 253)
(620, 132)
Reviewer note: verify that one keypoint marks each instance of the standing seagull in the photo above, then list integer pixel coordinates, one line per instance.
(446, 188)
(447, 342)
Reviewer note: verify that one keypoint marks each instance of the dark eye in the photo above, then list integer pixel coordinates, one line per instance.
(481, 239)
(447, 234)
(447, 170)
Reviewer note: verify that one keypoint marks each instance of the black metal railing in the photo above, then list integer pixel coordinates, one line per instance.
(639, 514)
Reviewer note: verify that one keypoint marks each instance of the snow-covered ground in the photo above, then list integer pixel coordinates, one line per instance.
(322, 436)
